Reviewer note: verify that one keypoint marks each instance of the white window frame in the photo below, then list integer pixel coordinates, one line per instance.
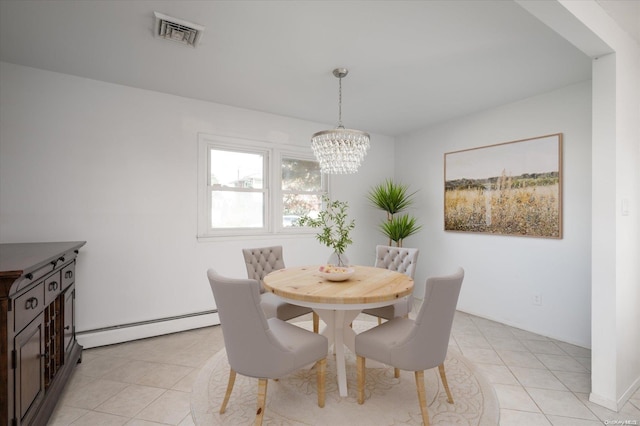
(272, 187)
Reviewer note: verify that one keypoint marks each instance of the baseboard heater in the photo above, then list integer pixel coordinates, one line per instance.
(142, 329)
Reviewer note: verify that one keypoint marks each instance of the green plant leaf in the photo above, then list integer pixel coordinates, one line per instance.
(391, 197)
(333, 223)
(400, 227)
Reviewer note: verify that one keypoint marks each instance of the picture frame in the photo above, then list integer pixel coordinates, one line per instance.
(511, 188)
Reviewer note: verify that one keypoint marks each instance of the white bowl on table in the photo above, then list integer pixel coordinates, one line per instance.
(335, 273)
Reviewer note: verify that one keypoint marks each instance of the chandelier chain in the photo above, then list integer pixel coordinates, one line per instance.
(340, 126)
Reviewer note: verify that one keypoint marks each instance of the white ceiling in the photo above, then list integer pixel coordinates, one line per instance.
(412, 63)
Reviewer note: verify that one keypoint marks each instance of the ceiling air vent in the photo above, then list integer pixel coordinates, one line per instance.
(178, 30)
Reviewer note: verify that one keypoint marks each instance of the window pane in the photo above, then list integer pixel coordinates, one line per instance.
(236, 169)
(237, 209)
(301, 175)
(296, 205)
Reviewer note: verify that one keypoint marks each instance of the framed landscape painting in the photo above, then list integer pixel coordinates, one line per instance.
(512, 188)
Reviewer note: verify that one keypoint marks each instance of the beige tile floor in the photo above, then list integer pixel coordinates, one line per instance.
(538, 381)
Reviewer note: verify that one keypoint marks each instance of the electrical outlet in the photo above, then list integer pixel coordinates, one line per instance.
(537, 299)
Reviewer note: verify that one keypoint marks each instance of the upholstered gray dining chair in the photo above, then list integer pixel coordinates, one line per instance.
(399, 259)
(260, 347)
(261, 261)
(415, 345)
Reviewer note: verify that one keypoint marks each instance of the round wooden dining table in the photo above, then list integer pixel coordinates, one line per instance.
(339, 303)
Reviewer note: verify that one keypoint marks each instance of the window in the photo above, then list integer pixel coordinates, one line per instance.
(238, 189)
(301, 186)
(251, 188)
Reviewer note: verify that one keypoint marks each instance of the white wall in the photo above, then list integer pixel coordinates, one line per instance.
(627, 270)
(616, 277)
(616, 154)
(502, 272)
(616, 238)
(116, 166)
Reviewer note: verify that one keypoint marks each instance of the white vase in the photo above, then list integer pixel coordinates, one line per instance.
(338, 259)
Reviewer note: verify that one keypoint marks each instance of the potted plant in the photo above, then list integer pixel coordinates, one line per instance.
(394, 198)
(334, 227)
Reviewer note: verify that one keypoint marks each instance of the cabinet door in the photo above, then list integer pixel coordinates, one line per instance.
(29, 372)
(69, 320)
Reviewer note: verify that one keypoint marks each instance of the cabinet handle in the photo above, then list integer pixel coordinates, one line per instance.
(61, 259)
(29, 276)
(45, 355)
(53, 286)
(68, 274)
(31, 303)
(67, 327)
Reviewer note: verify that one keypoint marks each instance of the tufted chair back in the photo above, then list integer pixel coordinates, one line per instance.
(399, 259)
(403, 260)
(261, 261)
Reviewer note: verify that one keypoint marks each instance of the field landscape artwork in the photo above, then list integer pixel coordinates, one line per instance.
(512, 188)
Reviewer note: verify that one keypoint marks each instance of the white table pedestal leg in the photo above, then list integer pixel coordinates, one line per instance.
(347, 331)
(340, 334)
(338, 318)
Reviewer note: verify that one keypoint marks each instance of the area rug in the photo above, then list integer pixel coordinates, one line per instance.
(292, 400)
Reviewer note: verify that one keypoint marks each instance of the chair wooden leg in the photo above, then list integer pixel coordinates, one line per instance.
(396, 372)
(232, 380)
(262, 400)
(316, 322)
(443, 377)
(360, 367)
(321, 367)
(422, 397)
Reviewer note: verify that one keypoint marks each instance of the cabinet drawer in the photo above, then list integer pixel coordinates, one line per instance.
(28, 306)
(68, 275)
(52, 287)
(34, 277)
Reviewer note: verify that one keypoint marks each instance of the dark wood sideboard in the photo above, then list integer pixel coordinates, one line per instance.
(38, 347)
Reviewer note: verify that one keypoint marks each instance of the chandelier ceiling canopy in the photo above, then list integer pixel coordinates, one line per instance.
(340, 150)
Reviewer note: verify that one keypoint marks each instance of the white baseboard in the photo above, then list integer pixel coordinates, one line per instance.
(629, 393)
(616, 405)
(605, 402)
(125, 333)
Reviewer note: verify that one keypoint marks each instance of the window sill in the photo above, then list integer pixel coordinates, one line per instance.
(260, 236)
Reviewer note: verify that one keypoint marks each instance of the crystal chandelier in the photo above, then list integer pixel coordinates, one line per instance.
(340, 151)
